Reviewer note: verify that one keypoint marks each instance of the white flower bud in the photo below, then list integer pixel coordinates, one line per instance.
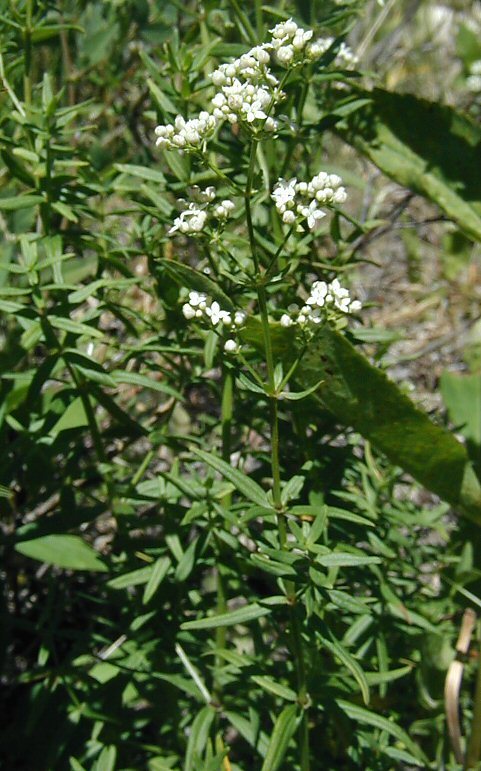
(285, 54)
(230, 346)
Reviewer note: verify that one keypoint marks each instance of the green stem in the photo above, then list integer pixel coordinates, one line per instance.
(295, 631)
(244, 24)
(259, 19)
(226, 422)
(219, 173)
(273, 262)
(27, 54)
(247, 200)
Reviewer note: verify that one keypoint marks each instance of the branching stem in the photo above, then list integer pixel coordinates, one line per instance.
(295, 630)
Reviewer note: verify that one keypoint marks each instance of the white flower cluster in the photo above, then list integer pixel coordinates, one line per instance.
(473, 81)
(196, 213)
(186, 134)
(247, 90)
(200, 306)
(292, 46)
(299, 201)
(323, 300)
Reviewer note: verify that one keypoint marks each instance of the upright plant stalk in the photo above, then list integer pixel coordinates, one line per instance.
(27, 54)
(226, 422)
(295, 631)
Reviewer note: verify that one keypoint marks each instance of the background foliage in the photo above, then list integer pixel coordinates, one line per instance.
(145, 622)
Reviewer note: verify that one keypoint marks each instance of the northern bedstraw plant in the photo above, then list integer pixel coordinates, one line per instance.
(208, 565)
(240, 294)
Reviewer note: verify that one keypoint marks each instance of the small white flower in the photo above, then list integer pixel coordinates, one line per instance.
(286, 320)
(284, 194)
(314, 216)
(196, 298)
(188, 311)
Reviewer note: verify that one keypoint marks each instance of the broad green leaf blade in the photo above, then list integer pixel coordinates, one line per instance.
(239, 616)
(350, 663)
(282, 734)
(362, 396)
(252, 491)
(186, 276)
(427, 147)
(64, 551)
(362, 715)
(462, 397)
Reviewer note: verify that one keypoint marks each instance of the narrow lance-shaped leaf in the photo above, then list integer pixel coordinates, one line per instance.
(362, 715)
(239, 616)
(242, 482)
(282, 734)
(350, 663)
(193, 279)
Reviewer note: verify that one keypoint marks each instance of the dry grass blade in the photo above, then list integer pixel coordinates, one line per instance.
(452, 685)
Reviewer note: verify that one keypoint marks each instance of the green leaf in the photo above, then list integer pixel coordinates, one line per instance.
(248, 729)
(162, 100)
(427, 147)
(106, 760)
(64, 551)
(295, 396)
(462, 397)
(158, 572)
(350, 663)
(186, 276)
(20, 202)
(284, 729)
(362, 396)
(198, 738)
(366, 717)
(338, 559)
(242, 482)
(143, 381)
(377, 678)
(73, 417)
(141, 172)
(76, 327)
(292, 488)
(65, 210)
(89, 368)
(270, 685)
(133, 578)
(239, 616)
